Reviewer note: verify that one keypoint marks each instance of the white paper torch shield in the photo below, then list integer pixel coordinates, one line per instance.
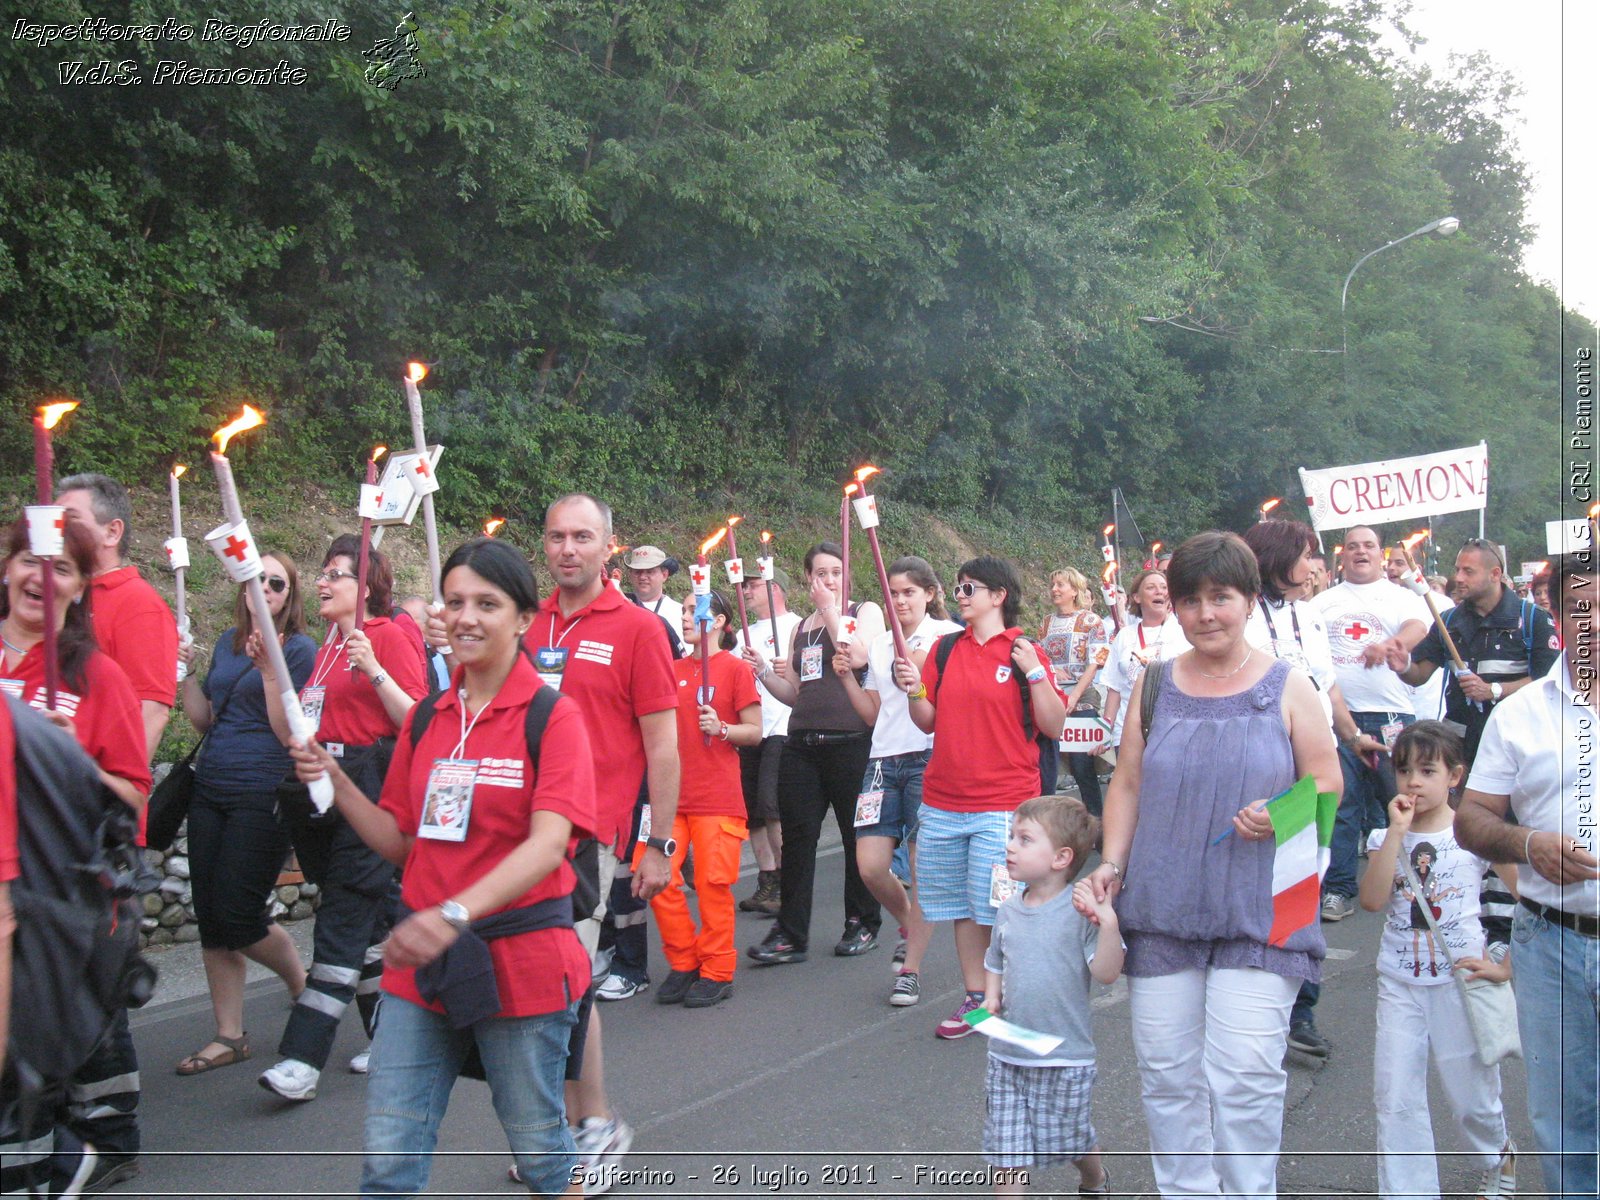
(177, 549)
(735, 569)
(420, 474)
(1108, 552)
(866, 511)
(848, 628)
(370, 506)
(236, 548)
(47, 529)
(767, 567)
(700, 580)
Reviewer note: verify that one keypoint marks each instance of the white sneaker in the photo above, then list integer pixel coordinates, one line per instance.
(602, 1145)
(1501, 1179)
(358, 1063)
(292, 1079)
(618, 987)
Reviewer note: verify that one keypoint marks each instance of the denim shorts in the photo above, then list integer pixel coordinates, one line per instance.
(900, 777)
(956, 856)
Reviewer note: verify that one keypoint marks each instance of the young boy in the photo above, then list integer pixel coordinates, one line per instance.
(1047, 944)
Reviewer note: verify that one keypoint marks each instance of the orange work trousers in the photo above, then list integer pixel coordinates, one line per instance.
(717, 842)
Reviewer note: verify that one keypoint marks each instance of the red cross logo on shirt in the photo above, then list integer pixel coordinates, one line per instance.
(235, 547)
(698, 576)
(1355, 631)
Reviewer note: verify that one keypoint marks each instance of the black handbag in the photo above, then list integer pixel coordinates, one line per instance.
(168, 807)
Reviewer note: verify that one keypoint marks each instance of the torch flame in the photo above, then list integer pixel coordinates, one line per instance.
(1155, 548)
(1269, 505)
(766, 536)
(1110, 570)
(248, 419)
(378, 452)
(1414, 540)
(416, 372)
(1108, 530)
(732, 521)
(50, 414)
(1594, 511)
(492, 526)
(867, 472)
(710, 543)
(850, 489)
(177, 471)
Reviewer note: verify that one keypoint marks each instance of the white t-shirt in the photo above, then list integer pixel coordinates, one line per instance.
(668, 609)
(1358, 615)
(774, 712)
(1294, 632)
(895, 732)
(1427, 701)
(1451, 881)
(1135, 648)
(1538, 749)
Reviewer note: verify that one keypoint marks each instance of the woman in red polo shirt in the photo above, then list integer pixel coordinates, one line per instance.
(95, 701)
(725, 707)
(362, 685)
(483, 841)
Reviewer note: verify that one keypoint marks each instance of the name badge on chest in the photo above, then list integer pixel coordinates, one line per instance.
(311, 701)
(551, 663)
(447, 803)
(810, 663)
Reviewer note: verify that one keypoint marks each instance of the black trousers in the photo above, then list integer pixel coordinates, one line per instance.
(811, 780)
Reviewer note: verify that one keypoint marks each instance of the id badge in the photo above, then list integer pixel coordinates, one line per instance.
(644, 824)
(311, 701)
(1390, 732)
(1001, 886)
(551, 663)
(810, 663)
(447, 803)
(869, 805)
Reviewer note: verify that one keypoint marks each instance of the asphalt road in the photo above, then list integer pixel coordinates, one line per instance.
(805, 1083)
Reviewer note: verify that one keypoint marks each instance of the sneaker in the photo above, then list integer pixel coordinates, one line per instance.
(1501, 1179)
(360, 1062)
(955, 1025)
(778, 948)
(292, 1079)
(1336, 907)
(676, 986)
(602, 1145)
(106, 1171)
(907, 990)
(856, 939)
(706, 992)
(620, 987)
(1303, 1036)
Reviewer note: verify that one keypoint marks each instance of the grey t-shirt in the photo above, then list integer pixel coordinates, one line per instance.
(1043, 952)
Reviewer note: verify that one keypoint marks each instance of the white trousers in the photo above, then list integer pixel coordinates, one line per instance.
(1210, 1046)
(1414, 1024)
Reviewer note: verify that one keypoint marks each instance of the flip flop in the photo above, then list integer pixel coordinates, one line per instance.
(238, 1050)
(1103, 1190)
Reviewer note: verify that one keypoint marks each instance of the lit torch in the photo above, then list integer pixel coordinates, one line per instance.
(850, 489)
(1268, 506)
(371, 505)
(415, 373)
(492, 526)
(177, 549)
(867, 514)
(1406, 546)
(237, 534)
(46, 526)
(735, 569)
(768, 566)
(700, 582)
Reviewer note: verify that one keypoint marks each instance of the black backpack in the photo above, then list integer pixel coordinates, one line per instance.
(75, 958)
(430, 655)
(585, 857)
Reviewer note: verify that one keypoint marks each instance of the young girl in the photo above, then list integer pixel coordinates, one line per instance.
(724, 706)
(1420, 1011)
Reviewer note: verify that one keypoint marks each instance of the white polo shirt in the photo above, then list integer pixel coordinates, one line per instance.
(1293, 631)
(1539, 749)
(774, 712)
(895, 732)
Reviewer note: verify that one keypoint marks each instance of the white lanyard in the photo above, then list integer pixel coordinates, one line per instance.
(466, 729)
(554, 640)
(322, 673)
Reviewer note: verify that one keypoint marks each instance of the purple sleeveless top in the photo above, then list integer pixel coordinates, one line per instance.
(1188, 904)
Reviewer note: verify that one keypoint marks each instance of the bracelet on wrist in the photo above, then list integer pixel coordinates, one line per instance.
(920, 693)
(1527, 845)
(1035, 676)
(1115, 869)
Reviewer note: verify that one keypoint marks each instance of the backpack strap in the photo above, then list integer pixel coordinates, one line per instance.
(941, 655)
(538, 716)
(422, 717)
(1525, 622)
(1147, 698)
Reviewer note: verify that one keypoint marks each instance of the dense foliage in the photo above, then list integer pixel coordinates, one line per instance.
(677, 250)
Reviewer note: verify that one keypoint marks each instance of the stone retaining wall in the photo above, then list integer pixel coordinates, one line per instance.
(169, 910)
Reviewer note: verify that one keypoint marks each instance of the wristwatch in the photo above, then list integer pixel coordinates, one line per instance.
(1496, 692)
(455, 915)
(667, 845)
(1035, 675)
(723, 732)
(379, 679)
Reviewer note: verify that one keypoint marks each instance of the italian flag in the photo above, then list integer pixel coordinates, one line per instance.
(1302, 823)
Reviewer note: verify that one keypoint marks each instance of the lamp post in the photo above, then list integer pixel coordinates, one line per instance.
(1444, 227)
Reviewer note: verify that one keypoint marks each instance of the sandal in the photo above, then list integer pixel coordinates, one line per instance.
(1103, 1190)
(238, 1050)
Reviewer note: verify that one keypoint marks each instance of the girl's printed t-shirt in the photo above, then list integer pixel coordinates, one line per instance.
(1450, 878)
(709, 780)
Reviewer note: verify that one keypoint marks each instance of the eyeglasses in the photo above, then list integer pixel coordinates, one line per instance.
(277, 583)
(334, 575)
(964, 589)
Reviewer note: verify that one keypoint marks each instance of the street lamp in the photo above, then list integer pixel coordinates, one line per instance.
(1444, 227)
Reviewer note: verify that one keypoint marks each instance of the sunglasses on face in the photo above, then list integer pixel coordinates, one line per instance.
(277, 583)
(333, 575)
(966, 588)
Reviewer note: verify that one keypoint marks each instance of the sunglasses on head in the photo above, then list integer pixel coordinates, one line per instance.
(277, 583)
(1488, 547)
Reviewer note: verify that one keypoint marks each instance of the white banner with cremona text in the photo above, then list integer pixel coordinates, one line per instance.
(1398, 489)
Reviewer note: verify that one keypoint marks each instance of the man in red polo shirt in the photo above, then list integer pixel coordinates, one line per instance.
(608, 654)
(132, 623)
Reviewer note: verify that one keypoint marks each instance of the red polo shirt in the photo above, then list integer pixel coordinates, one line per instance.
(618, 669)
(107, 718)
(352, 712)
(983, 759)
(537, 972)
(710, 784)
(10, 865)
(133, 624)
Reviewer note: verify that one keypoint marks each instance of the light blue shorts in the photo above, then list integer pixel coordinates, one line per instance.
(956, 856)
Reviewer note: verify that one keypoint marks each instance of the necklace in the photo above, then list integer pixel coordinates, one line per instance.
(12, 646)
(1232, 673)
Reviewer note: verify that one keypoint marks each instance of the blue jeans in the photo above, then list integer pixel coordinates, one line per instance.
(900, 777)
(1558, 1015)
(416, 1057)
(1364, 805)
